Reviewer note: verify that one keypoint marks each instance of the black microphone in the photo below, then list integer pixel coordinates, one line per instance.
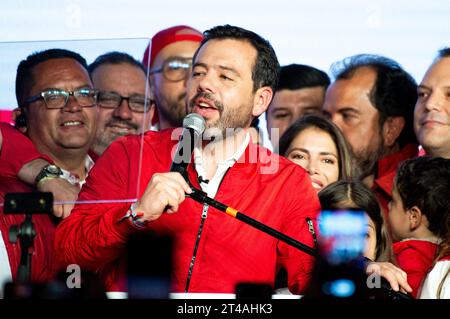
(193, 127)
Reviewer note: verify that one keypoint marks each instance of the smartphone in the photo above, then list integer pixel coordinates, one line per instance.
(342, 235)
(341, 242)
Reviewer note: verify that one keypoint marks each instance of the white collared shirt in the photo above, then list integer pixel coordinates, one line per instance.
(212, 186)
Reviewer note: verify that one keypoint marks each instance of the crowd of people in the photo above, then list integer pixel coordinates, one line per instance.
(101, 137)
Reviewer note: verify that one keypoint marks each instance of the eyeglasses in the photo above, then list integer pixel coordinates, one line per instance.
(136, 102)
(57, 99)
(175, 69)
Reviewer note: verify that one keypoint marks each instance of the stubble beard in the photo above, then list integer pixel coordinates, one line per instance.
(366, 160)
(175, 111)
(230, 121)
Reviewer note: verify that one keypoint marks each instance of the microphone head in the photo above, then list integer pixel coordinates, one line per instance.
(195, 122)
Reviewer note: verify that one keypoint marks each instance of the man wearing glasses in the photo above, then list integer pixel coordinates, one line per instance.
(58, 106)
(124, 105)
(170, 62)
(58, 114)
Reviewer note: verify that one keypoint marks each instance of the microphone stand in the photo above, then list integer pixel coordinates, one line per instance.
(29, 203)
(202, 198)
(25, 233)
(194, 125)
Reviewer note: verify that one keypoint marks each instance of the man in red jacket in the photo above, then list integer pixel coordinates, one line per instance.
(18, 176)
(372, 101)
(58, 113)
(234, 75)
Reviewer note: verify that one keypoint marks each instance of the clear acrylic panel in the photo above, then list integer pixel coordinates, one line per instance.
(11, 53)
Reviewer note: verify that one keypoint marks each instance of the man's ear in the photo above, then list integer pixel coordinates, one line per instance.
(415, 217)
(261, 101)
(16, 113)
(392, 128)
(20, 119)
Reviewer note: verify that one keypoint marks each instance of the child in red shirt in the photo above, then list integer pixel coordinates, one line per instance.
(421, 195)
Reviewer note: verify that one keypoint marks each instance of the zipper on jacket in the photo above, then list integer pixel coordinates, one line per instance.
(197, 241)
(199, 234)
(312, 231)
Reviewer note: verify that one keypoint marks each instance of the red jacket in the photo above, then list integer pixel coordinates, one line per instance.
(17, 150)
(416, 258)
(386, 170)
(229, 251)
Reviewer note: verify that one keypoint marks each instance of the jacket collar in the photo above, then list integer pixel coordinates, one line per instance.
(388, 165)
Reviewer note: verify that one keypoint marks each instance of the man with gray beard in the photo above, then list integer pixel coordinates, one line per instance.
(372, 101)
(124, 107)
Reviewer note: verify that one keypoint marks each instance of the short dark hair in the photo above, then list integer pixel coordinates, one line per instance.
(345, 194)
(266, 68)
(425, 182)
(115, 57)
(444, 53)
(393, 94)
(299, 76)
(24, 76)
(323, 124)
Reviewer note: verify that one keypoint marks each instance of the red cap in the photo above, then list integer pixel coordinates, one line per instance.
(167, 36)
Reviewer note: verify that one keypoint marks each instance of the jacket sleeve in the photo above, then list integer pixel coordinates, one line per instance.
(16, 151)
(92, 235)
(304, 204)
